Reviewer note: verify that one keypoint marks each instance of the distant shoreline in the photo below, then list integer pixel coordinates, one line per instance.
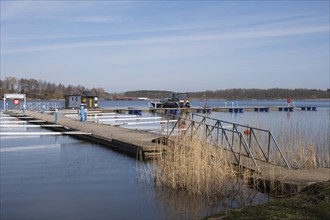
(192, 99)
(258, 99)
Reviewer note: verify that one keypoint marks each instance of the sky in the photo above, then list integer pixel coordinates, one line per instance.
(181, 46)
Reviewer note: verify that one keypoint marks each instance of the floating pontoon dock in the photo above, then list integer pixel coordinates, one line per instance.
(129, 141)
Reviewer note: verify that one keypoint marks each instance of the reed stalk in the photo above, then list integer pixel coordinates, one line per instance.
(194, 166)
(303, 148)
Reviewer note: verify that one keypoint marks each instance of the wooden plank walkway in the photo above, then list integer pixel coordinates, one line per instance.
(125, 140)
(295, 178)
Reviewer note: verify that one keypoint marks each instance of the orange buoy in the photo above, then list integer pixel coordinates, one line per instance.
(247, 132)
(182, 125)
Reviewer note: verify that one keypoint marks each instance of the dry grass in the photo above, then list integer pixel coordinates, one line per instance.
(194, 166)
(304, 149)
(193, 178)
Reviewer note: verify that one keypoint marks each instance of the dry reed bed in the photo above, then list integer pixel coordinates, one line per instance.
(303, 148)
(192, 173)
(194, 165)
(191, 164)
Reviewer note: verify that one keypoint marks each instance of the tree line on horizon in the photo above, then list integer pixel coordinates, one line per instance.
(238, 93)
(266, 94)
(39, 89)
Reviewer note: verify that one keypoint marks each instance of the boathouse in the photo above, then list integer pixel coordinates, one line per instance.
(75, 101)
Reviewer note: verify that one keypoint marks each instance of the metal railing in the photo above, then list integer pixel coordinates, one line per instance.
(40, 106)
(242, 140)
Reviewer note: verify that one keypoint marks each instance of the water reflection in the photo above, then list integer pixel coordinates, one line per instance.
(288, 115)
(178, 204)
(182, 204)
(63, 178)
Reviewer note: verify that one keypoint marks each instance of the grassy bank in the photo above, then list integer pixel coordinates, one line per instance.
(311, 203)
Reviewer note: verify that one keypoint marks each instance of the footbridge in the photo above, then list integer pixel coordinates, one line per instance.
(243, 141)
(251, 148)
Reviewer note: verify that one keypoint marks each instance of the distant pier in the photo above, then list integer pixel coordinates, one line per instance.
(208, 110)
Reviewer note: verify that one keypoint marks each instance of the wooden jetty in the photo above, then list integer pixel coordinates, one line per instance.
(287, 180)
(131, 142)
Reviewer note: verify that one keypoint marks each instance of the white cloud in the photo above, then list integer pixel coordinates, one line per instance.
(97, 19)
(12, 9)
(176, 39)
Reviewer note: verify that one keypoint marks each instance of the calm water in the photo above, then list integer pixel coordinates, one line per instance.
(58, 177)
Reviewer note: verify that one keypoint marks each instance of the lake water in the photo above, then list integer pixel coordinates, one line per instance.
(59, 177)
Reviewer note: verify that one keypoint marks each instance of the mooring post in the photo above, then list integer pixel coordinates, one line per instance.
(82, 113)
(56, 116)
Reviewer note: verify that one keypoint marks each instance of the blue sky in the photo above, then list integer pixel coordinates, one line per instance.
(167, 45)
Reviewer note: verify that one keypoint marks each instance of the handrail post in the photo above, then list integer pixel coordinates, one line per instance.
(250, 154)
(232, 137)
(249, 135)
(260, 147)
(240, 148)
(167, 125)
(268, 154)
(217, 134)
(172, 129)
(192, 129)
(279, 149)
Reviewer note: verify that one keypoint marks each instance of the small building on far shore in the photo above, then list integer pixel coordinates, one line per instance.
(142, 99)
(75, 101)
(124, 98)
